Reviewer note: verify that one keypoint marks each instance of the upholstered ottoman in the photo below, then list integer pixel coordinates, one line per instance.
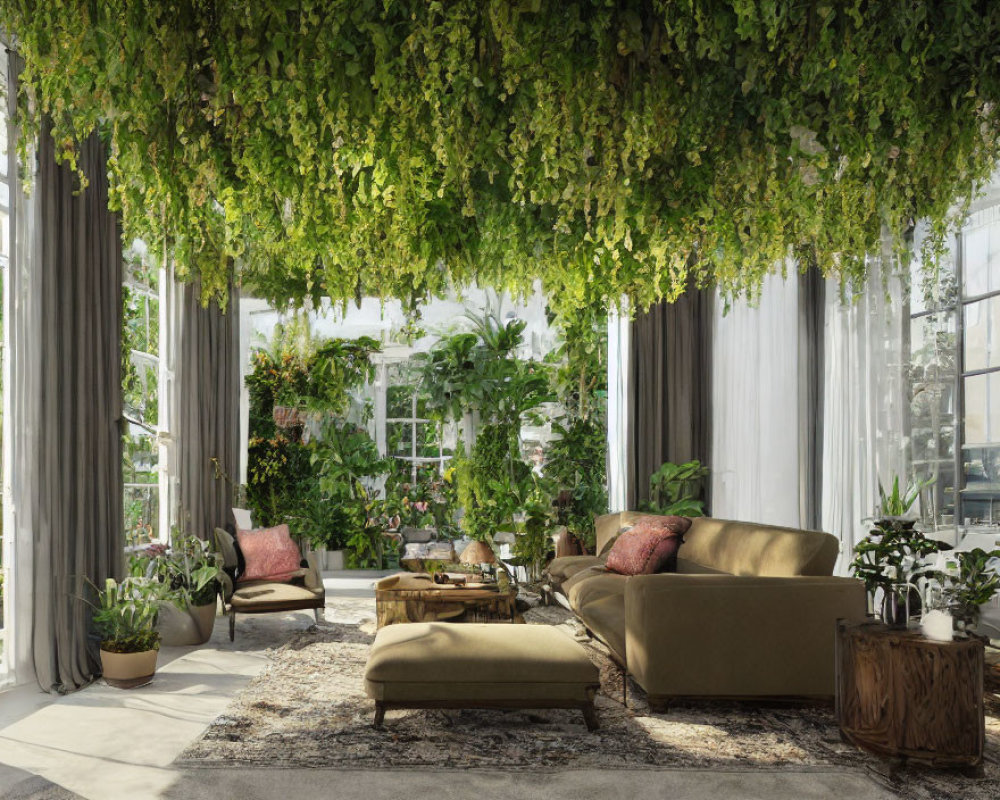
(450, 665)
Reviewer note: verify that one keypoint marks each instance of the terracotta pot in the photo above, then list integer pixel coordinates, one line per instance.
(185, 627)
(128, 670)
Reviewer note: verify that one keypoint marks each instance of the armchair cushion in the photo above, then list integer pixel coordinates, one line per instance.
(258, 596)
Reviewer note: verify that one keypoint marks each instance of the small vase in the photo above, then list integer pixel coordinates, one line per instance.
(895, 613)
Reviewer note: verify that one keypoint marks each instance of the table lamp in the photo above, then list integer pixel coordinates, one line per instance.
(478, 553)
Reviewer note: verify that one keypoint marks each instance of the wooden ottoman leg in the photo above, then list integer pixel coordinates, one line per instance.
(590, 717)
(379, 714)
(232, 626)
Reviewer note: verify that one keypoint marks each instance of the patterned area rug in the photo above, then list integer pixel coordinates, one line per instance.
(308, 709)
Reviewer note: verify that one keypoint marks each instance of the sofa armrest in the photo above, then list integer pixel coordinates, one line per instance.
(313, 577)
(734, 636)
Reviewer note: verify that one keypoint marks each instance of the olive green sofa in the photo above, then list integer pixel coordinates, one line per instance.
(750, 613)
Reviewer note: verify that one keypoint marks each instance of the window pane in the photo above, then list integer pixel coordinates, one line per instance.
(399, 401)
(982, 485)
(982, 334)
(978, 246)
(397, 436)
(932, 373)
(976, 393)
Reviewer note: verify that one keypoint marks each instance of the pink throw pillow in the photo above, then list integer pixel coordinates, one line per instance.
(270, 554)
(650, 546)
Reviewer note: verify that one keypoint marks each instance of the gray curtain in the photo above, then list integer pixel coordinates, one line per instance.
(76, 483)
(208, 411)
(672, 369)
(812, 303)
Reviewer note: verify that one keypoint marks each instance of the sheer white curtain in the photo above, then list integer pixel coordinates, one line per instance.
(864, 405)
(755, 398)
(21, 402)
(619, 398)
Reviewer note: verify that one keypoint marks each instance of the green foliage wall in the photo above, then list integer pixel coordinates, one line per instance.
(344, 147)
(285, 482)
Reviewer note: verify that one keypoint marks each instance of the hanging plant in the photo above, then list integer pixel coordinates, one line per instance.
(397, 147)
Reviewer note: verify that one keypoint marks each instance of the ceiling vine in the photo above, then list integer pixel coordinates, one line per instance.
(391, 147)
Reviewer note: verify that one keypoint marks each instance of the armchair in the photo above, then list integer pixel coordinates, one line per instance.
(305, 591)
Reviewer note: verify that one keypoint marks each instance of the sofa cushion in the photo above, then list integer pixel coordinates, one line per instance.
(596, 587)
(605, 618)
(560, 569)
(746, 548)
(582, 575)
(649, 546)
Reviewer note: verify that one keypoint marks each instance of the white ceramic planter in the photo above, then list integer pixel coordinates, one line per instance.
(329, 560)
(183, 628)
(128, 670)
(334, 560)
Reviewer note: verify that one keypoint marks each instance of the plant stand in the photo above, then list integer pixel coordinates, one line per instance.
(906, 697)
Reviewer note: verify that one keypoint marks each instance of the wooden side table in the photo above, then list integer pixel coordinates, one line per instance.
(904, 696)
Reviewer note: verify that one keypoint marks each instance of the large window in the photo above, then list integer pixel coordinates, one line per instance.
(422, 446)
(140, 373)
(955, 378)
(979, 279)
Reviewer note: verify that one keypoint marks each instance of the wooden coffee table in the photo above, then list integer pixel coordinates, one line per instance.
(414, 597)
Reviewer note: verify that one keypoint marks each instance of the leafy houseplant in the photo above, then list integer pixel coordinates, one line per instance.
(125, 617)
(678, 489)
(533, 542)
(976, 583)
(348, 463)
(575, 466)
(491, 481)
(890, 559)
(189, 572)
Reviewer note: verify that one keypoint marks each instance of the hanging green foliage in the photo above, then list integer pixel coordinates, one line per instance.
(387, 147)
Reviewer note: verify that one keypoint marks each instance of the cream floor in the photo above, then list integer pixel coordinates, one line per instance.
(103, 743)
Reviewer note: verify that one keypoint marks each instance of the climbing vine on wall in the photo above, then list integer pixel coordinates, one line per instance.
(387, 147)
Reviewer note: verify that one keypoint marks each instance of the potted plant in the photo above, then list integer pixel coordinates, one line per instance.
(189, 573)
(320, 521)
(891, 559)
(125, 617)
(972, 581)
